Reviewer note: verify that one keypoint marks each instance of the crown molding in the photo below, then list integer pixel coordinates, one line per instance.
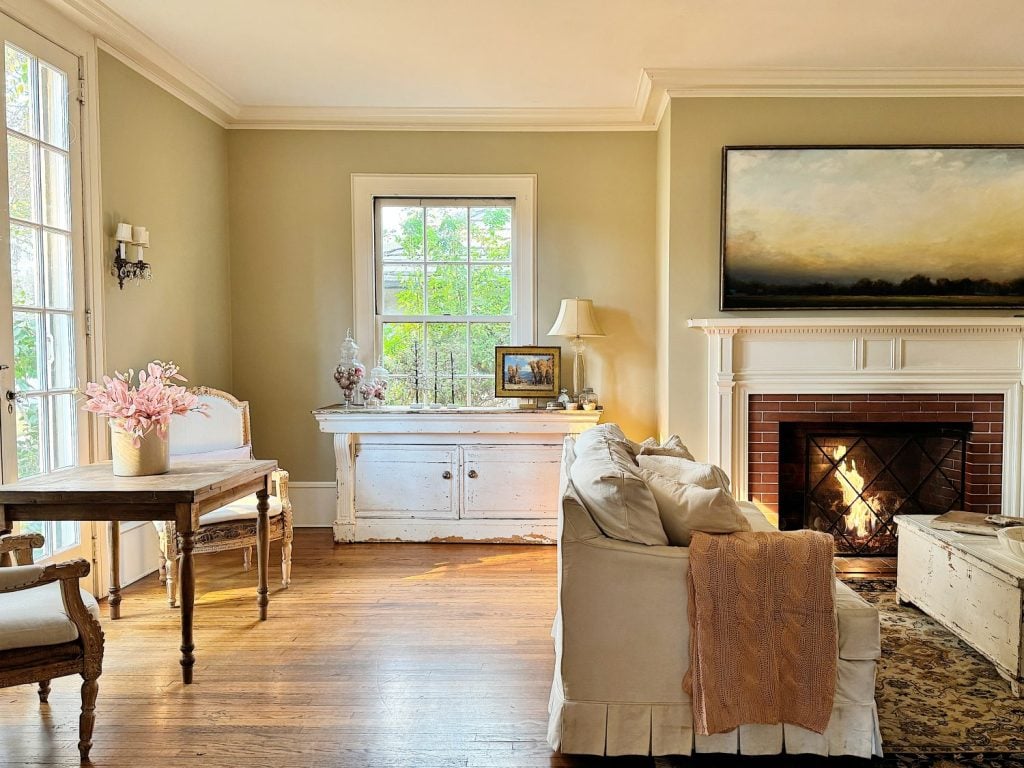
(655, 90)
(130, 45)
(850, 82)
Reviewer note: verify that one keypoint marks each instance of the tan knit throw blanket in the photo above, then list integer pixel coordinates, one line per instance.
(763, 639)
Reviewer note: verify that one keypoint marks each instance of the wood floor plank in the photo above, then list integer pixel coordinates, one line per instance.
(396, 655)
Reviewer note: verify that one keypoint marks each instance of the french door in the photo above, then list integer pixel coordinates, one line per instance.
(42, 318)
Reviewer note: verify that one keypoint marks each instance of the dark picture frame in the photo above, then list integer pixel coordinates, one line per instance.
(881, 226)
(527, 371)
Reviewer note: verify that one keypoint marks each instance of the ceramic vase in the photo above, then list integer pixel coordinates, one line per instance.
(150, 457)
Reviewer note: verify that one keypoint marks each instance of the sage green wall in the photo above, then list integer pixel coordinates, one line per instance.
(701, 127)
(291, 236)
(165, 167)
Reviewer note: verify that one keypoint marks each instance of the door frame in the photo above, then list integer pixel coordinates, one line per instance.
(61, 31)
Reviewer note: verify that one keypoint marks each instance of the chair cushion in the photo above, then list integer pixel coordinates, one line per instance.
(243, 509)
(685, 508)
(36, 616)
(242, 453)
(607, 481)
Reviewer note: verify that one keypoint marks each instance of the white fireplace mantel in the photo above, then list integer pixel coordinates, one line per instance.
(977, 355)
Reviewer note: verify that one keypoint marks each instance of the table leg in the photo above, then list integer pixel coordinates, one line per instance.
(263, 548)
(187, 585)
(114, 540)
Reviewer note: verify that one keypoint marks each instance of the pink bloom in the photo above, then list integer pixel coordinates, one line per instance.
(139, 409)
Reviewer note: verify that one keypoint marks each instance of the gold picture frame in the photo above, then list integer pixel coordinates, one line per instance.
(527, 371)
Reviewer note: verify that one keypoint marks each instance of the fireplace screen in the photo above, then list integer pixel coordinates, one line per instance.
(857, 478)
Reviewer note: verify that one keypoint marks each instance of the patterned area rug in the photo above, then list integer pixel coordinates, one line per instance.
(940, 703)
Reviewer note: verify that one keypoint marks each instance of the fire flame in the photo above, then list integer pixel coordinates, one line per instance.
(860, 519)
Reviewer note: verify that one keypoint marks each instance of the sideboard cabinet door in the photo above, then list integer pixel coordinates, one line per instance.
(406, 481)
(510, 482)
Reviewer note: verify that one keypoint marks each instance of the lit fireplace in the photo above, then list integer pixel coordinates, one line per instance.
(857, 477)
(859, 519)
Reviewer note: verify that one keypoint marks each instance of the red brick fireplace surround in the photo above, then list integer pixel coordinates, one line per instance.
(984, 448)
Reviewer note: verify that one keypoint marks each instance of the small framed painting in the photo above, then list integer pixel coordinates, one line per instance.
(527, 371)
(872, 227)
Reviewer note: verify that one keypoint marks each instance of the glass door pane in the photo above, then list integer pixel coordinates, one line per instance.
(40, 287)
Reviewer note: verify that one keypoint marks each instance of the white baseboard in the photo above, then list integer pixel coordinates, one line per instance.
(314, 504)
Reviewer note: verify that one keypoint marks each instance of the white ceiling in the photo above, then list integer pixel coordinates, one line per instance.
(546, 54)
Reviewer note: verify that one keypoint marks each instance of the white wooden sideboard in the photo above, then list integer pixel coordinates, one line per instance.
(970, 585)
(466, 475)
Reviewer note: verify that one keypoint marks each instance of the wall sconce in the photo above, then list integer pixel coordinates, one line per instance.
(123, 269)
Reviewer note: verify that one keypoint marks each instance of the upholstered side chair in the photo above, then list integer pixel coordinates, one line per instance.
(223, 434)
(49, 627)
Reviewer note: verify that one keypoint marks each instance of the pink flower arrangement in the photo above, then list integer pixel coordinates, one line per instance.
(150, 405)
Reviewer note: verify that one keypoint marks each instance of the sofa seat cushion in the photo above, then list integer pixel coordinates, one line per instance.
(608, 483)
(685, 508)
(243, 509)
(36, 616)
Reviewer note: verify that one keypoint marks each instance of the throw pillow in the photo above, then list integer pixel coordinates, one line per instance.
(686, 471)
(673, 446)
(686, 508)
(610, 487)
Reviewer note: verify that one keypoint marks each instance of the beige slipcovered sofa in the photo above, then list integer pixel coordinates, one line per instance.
(622, 648)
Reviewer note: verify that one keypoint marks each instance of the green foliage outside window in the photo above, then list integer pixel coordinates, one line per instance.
(446, 265)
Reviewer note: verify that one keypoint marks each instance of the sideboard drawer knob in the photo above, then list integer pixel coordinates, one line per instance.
(472, 473)
(446, 475)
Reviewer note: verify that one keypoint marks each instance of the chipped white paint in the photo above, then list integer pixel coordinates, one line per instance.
(970, 585)
(449, 476)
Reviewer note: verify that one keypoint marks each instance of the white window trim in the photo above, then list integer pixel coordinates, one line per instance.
(366, 187)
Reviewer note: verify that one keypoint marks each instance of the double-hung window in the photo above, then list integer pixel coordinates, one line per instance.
(452, 278)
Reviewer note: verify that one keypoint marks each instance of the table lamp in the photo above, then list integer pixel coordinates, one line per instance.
(576, 321)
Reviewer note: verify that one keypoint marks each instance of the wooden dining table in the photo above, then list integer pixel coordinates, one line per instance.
(188, 490)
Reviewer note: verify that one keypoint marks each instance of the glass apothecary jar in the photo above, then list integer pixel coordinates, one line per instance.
(375, 389)
(350, 372)
(588, 399)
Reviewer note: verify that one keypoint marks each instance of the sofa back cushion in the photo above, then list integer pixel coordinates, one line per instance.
(686, 471)
(608, 483)
(685, 508)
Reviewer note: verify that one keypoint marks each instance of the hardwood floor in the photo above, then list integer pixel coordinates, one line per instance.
(378, 655)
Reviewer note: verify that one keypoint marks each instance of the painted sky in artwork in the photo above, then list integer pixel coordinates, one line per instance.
(802, 216)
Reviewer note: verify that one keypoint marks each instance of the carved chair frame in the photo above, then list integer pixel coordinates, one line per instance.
(40, 664)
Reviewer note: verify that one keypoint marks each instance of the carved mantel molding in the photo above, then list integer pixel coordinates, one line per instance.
(783, 355)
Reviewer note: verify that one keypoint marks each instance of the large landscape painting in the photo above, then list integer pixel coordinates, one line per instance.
(835, 227)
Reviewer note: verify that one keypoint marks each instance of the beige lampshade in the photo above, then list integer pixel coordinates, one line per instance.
(140, 237)
(576, 318)
(124, 232)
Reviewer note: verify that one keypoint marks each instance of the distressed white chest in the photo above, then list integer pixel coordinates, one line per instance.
(968, 583)
(449, 475)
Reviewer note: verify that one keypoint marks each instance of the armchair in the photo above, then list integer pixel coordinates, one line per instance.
(223, 434)
(49, 627)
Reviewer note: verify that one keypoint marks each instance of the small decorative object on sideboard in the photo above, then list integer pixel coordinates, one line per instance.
(140, 416)
(527, 371)
(375, 389)
(588, 400)
(350, 371)
(122, 268)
